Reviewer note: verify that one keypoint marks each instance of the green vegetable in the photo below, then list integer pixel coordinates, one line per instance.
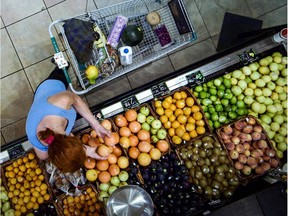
(6, 206)
(3, 195)
(10, 212)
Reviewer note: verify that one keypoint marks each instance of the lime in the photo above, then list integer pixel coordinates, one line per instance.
(227, 108)
(205, 108)
(240, 104)
(202, 94)
(234, 108)
(241, 112)
(210, 123)
(207, 114)
(220, 93)
(216, 124)
(228, 95)
(218, 107)
(198, 88)
(232, 115)
(222, 119)
(227, 82)
(221, 87)
(213, 91)
(214, 117)
(233, 100)
(217, 82)
(206, 101)
(224, 102)
(218, 101)
(210, 84)
(213, 98)
(195, 94)
(211, 110)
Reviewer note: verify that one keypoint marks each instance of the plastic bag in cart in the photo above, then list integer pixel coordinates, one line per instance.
(80, 35)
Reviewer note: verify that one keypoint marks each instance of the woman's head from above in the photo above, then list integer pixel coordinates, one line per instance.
(65, 152)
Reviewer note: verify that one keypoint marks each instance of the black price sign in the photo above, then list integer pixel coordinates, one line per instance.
(99, 116)
(195, 79)
(16, 151)
(130, 102)
(248, 56)
(159, 89)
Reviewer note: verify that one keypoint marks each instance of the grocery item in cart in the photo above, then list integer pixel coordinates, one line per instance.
(81, 36)
(115, 33)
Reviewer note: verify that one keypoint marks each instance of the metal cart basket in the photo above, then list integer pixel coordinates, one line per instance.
(147, 51)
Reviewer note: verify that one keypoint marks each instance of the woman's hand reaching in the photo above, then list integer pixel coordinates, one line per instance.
(91, 152)
(101, 131)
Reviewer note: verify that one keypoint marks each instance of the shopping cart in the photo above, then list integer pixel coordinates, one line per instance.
(173, 15)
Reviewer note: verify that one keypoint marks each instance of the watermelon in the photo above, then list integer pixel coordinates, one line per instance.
(132, 35)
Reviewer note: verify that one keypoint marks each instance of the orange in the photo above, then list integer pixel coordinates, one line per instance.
(195, 108)
(171, 132)
(178, 112)
(182, 119)
(200, 122)
(176, 140)
(184, 94)
(175, 124)
(163, 119)
(187, 111)
(193, 134)
(160, 111)
(168, 112)
(158, 103)
(169, 99)
(173, 107)
(167, 125)
(190, 127)
(200, 130)
(177, 95)
(172, 118)
(197, 115)
(180, 103)
(179, 131)
(191, 120)
(189, 101)
(166, 104)
(186, 136)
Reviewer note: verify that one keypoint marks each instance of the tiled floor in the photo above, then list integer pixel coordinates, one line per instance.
(26, 48)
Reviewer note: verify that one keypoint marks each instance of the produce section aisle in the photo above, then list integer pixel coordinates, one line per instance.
(174, 162)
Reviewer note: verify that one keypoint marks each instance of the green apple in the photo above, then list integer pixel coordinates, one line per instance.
(161, 133)
(123, 176)
(149, 119)
(141, 117)
(145, 126)
(153, 131)
(112, 189)
(282, 146)
(156, 124)
(154, 138)
(145, 111)
(115, 181)
(104, 186)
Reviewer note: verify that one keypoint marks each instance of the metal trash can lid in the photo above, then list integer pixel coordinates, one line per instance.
(130, 200)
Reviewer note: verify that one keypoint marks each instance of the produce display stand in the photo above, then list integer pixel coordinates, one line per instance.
(191, 76)
(147, 51)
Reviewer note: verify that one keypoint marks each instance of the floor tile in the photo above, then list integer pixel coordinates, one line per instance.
(50, 3)
(16, 98)
(14, 131)
(38, 72)
(108, 91)
(9, 59)
(106, 3)
(275, 17)
(14, 10)
(150, 72)
(213, 12)
(31, 38)
(192, 54)
(260, 7)
(2, 140)
(1, 23)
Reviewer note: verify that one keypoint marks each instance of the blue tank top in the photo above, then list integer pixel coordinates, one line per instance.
(41, 108)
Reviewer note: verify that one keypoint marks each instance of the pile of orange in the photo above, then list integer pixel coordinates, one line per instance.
(181, 116)
(109, 148)
(26, 184)
(136, 140)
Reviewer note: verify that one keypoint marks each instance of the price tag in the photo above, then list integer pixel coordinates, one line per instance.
(195, 79)
(16, 151)
(60, 60)
(248, 57)
(159, 89)
(99, 116)
(130, 102)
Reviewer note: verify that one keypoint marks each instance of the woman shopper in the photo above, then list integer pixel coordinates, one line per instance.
(51, 119)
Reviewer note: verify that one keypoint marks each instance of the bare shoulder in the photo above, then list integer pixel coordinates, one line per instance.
(63, 99)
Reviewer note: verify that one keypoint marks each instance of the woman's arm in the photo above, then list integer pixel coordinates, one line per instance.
(67, 99)
(42, 155)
